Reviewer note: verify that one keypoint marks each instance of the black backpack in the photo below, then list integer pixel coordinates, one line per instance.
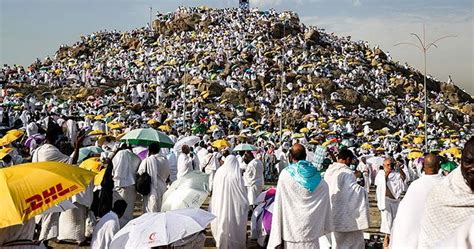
(143, 184)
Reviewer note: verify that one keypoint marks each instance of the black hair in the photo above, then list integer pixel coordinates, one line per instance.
(345, 154)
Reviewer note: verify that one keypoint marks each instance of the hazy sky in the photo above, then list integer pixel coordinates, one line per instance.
(35, 28)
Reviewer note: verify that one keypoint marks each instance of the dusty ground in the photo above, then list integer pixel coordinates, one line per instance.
(210, 243)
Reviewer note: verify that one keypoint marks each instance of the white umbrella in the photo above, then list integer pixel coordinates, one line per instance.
(159, 229)
(366, 123)
(189, 141)
(189, 191)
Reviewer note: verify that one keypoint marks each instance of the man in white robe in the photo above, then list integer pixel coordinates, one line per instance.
(349, 203)
(185, 162)
(390, 185)
(72, 222)
(125, 166)
(157, 167)
(49, 152)
(230, 206)
(406, 225)
(210, 165)
(108, 226)
(450, 203)
(301, 211)
(253, 177)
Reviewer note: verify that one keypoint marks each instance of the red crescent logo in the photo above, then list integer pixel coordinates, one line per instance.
(152, 237)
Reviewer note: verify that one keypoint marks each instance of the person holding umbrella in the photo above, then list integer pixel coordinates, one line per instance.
(50, 152)
(125, 166)
(157, 167)
(253, 177)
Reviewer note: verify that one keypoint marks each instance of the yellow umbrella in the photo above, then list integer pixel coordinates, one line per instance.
(455, 151)
(418, 140)
(27, 190)
(245, 123)
(304, 130)
(366, 146)
(99, 117)
(95, 165)
(250, 120)
(166, 128)
(250, 109)
(152, 121)
(16, 132)
(115, 125)
(211, 113)
(96, 133)
(110, 114)
(221, 144)
(4, 152)
(89, 116)
(414, 154)
(213, 128)
(7, 139)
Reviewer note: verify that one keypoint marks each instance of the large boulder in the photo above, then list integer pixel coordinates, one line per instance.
(468, 109)
(349, 96)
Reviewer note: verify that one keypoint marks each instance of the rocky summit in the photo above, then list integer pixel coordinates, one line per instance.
(257, 64)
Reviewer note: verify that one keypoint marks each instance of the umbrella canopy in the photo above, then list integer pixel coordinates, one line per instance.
(366, 146)
(147, 136)
(27, 190)
(414, 155)
(95, 165)
(141, 152)
(8, 139)
(189, 191)
(36, 138)
(245, 147)
(221, 144)
(166, 128)
(16, 132)
(159, 229)
(449, 166)
(87, 151)
(189, 141)
(455, 151)
(4, 152)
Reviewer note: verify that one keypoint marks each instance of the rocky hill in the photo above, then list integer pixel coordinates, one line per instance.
(208, 48)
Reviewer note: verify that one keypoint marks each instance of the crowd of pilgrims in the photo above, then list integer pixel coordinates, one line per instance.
(324, 165)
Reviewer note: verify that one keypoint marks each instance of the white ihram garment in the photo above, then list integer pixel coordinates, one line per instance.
(406, 225)
(299, 217)
(230, 206)
(158, 169)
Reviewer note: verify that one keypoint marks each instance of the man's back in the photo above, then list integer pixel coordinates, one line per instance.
(407, 222)
(298, 214)
(349, 201)
(104, 231)
(447, 206)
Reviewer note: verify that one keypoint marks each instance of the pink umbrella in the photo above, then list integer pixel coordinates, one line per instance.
(33, 139)
(268, 197)
(141, 152)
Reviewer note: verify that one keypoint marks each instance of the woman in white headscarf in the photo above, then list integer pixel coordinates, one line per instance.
(230, 206)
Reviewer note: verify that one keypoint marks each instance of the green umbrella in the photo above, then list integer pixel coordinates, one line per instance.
(245, 147)
(86, 151)
(147, 136)
(449, 166)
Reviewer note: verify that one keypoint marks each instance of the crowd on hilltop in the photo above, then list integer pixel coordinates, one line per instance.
(256, 77)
